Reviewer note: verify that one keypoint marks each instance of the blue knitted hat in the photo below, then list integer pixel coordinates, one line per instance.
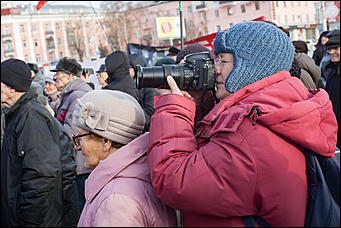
(259, 50)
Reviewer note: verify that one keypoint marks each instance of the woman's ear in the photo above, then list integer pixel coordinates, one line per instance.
(107, 145)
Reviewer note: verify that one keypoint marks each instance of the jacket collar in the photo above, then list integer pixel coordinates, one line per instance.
(26, 97)
(243, 93)
(115, 165)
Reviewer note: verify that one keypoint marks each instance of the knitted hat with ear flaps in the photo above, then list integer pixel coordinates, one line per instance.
(259, 50)
(112, 114)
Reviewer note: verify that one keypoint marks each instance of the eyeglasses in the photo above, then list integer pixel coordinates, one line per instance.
(76, 137)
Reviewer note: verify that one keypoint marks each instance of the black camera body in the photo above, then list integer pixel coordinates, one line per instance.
(197, 73)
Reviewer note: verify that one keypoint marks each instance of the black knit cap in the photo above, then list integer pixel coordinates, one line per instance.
(16, 74)
(190, 49)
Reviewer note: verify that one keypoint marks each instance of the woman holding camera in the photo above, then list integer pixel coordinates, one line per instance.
(245, 158)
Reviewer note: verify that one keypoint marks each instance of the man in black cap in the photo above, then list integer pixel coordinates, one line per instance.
(102, 75)
(326, 58)
(67, 77)
(31, 171)
(117, 67)
(331, 73)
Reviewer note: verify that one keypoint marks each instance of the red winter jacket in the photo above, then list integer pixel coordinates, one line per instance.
(237, 163)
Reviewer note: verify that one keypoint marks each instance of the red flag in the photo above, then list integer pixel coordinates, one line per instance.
(40, 4)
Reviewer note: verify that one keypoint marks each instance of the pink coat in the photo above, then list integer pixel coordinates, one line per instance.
(118, 191)
(239, 164)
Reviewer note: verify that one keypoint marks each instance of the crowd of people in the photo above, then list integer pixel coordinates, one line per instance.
(73, 155)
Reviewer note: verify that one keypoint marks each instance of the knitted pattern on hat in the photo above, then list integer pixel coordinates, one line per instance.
(259, 50)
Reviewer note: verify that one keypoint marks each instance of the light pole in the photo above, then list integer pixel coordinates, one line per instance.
(181, 35)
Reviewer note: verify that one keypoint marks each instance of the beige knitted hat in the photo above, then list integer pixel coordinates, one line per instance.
(112, 114)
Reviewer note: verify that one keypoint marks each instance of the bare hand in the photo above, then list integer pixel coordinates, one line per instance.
(175, 89)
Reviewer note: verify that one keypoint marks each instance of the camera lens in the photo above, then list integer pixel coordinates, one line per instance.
(156, 77)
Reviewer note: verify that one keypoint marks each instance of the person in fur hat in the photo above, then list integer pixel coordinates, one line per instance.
(246, 156)
(68, 81)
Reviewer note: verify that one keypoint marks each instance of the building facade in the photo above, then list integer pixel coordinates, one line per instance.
(84, 33)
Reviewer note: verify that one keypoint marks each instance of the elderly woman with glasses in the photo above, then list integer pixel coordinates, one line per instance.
(118, 191)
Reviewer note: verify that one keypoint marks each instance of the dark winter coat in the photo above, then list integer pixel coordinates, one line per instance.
(71, 210)
(320, 50)
(332, 73)
(146, 99)
(31, 171)
(117, 65)
(318, 54)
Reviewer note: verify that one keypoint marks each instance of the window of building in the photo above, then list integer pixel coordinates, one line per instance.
(47, 27)
(286, 19)
(51, 56)
(300, 19)
(61, 55)
(203, 17)
(257, 5)
(22, 28)
(278, 19)
(87, 25)
(189, 9)
(57, 27)
(38, 58)
(7, 30)
(168, 13)
(24, 44)
(59, 41)
(293, 18)
(34, 28)
(218, 28)
(36, 43)
(231, 24)
(91, 52)
(307, 16)
(216, 13)
(242, 7)
(177, 12)
(99, 40)
(284, 3)
(146, 18)
(276, 3)
(8, 45)
(27, 59)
